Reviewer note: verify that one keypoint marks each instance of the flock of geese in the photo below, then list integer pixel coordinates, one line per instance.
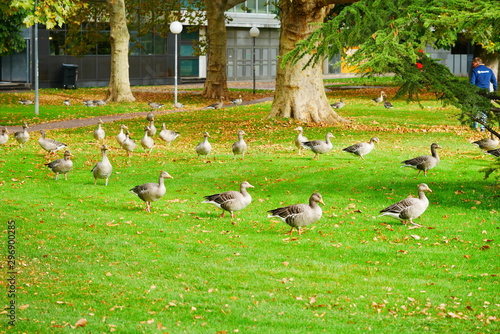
(296, 216)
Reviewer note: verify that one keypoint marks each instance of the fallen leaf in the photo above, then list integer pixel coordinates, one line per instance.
(81, 323)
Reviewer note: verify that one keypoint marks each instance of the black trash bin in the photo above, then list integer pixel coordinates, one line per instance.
(70, 74)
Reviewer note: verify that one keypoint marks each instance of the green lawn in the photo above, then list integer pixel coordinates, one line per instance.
(91, 251)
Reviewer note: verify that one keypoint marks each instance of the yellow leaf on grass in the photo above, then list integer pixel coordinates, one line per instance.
(81, 323)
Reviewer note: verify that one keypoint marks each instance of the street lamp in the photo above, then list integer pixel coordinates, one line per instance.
(254, 32)
(176, 29)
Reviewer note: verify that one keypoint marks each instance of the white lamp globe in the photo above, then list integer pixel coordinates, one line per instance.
(254, 32)
(176, 27)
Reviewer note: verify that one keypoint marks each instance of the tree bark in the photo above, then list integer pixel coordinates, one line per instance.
(300, 92)
(216, 81)
(119, 82)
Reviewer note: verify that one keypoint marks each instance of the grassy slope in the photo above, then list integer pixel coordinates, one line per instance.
(91, 252)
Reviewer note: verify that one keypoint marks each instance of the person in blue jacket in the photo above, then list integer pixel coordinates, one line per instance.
(483, 77)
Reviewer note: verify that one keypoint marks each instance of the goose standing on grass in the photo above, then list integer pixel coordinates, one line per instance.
(152, 128)
(362, 149)
(300, 215)
(50, 145)
(424, 162)
(120, 137)
(409, 208)
(4, 136)
(487, 144)
(300, 139)
(216, 105)
(128, 144)
(237, 101)
(240, 147)
(204, 147)
(495, 152)
(338, 105)
(168, 135)
(67, 102)
(147, 142)
(22, 136)
(380, 98)
(155, 105)
(151, 192)
(103, 168)
(99, 102)
(319, 146)
(89, 103)
(388, 105)
(231, 201)
(26, 102)
(99, 133)
(62, 166)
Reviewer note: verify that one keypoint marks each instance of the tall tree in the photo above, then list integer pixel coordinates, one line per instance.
(300, 92)
(119, 82)
(216, 81)
(11, 20)
(390, 33)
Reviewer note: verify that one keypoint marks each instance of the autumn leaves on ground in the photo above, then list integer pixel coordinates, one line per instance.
(89, 256)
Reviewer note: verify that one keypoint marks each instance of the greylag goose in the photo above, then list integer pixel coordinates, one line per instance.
(240, 147)
(120, 137)
(152, 128)
(338, 105)
(26, 102)
(150, 192)
(300, 215)
(216, 105)
(22, 136)
(495, 152)
(168, 135)
(204, 147)
(62, 166)
(361, 149)
(380, 98)
(89, 103)
(409, 208)
(99, 102)
(487, 144)
(150, 117)
(147, 142)
(99, 133)
(155, 105)
(67, 102)
(128, 144)
(178, 105)
(237, 101)
(424, 162)
(4, 136)
(319, 146)
(103, 168)
(388, 105)
(50, 145)
(231, 201)
(300, 139)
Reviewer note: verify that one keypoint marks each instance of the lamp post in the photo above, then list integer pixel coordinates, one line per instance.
(254, 32)
(176, 29)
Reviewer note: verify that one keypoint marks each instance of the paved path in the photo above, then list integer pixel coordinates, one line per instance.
(80, 122)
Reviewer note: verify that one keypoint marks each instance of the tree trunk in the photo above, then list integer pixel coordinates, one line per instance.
(119, 82)
(300, 92)
(492, 60)
(216, 81)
